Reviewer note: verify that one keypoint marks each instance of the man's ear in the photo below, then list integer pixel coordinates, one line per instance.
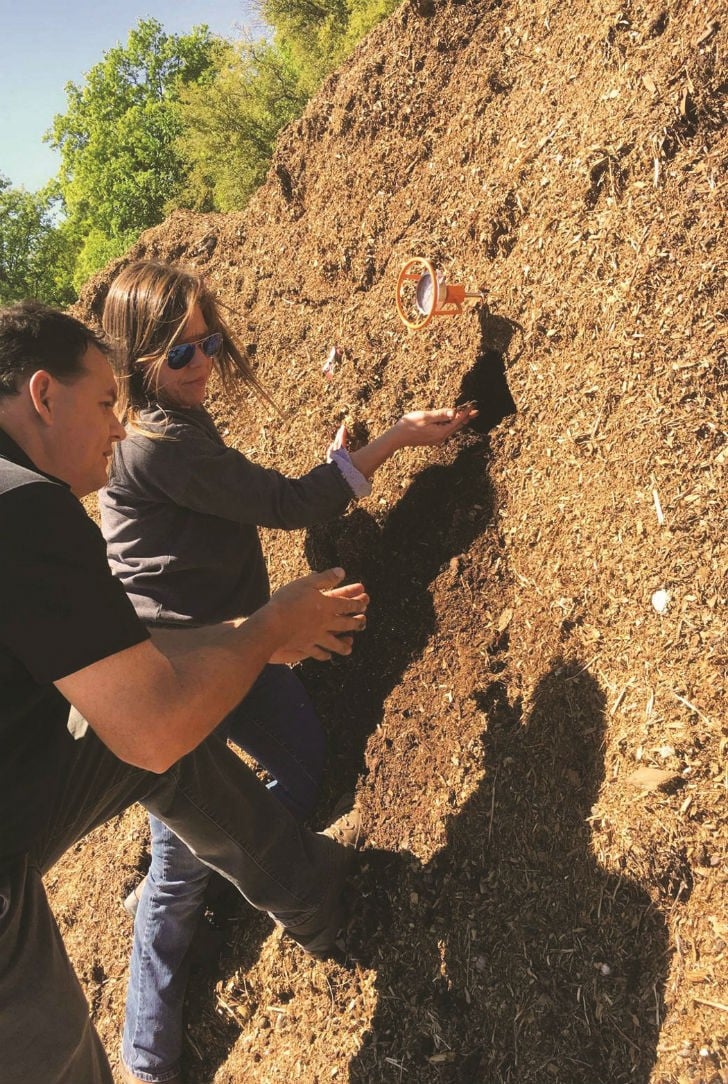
(40, 387)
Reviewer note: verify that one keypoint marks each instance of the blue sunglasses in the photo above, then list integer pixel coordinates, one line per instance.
(182, 354)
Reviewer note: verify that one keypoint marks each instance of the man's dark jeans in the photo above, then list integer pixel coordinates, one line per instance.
(224, 815)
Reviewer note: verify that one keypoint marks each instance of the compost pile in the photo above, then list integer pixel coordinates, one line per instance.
(534, 719)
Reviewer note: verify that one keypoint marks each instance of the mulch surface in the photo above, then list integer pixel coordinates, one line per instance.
(534, 719)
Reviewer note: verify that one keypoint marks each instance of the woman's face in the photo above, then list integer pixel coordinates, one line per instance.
(187, 387)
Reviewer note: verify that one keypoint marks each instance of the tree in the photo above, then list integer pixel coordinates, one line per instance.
(230, 126)
(312, 31)
(33, 248)
(364, 15)
(168, 121)
(319, 34)
(119, 165)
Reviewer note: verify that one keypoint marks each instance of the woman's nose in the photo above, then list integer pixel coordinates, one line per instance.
(199, 357)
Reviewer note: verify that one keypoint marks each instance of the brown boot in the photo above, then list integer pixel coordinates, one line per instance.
(345, 827)
(322, 936)
(131, 902)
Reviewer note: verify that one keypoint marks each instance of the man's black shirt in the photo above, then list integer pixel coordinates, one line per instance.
(60, 610)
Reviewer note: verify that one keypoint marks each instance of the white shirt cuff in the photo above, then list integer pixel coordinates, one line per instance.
(360, 485)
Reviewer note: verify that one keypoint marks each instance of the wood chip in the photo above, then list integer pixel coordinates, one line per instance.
(505, 619)
(651, 778)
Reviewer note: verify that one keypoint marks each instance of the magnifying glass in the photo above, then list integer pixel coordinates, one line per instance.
(422, 292)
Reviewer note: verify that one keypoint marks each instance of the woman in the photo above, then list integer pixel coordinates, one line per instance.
(180, 517)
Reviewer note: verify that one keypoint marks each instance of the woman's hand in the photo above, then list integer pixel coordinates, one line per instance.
(421, 427)
(431, 427)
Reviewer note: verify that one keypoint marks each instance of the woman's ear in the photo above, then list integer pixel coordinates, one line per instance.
(40, 387)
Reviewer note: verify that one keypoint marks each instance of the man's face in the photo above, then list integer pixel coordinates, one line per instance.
(85, 426)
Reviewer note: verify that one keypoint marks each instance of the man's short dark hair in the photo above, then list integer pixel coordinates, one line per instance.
(34, 336)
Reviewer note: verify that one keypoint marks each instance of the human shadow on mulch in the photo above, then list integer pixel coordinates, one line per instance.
(447, 506)
(513, 957)
(444, 510)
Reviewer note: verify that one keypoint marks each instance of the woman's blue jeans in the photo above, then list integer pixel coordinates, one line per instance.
(275, 724)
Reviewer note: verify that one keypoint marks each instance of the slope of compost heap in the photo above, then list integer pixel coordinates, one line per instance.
(538, 750)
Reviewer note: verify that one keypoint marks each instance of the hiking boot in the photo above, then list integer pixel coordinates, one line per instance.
(345, 828)
(131, 903)
(322, 935)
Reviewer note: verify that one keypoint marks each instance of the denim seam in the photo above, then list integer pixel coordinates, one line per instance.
(169, 1074)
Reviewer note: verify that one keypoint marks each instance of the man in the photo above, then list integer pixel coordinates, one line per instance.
(73, 651)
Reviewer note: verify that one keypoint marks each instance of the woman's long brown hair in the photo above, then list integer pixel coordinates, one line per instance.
(146, 309)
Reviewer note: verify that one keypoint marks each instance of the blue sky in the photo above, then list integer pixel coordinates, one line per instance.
(48, 43)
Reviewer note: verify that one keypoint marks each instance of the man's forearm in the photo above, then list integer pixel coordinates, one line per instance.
(154, 702)
(212, 669)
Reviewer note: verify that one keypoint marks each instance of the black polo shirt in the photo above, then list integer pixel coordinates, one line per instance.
(60, 610)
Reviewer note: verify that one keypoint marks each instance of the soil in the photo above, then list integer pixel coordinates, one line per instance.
(537, 739)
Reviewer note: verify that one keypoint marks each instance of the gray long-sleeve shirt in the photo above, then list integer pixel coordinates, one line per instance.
(180, 514)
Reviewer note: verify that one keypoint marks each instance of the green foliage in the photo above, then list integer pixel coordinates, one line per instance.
(119, 167)
(96, 251)
(313, 31)
(167, 121)
(33, 248)
(321, 33)
(230, 126)
(365, 14)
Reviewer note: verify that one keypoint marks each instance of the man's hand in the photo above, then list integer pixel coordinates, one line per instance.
(319, 616)
(154, 702)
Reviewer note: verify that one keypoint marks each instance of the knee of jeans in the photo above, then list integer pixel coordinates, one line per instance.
(179, 880)
(173, 864)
